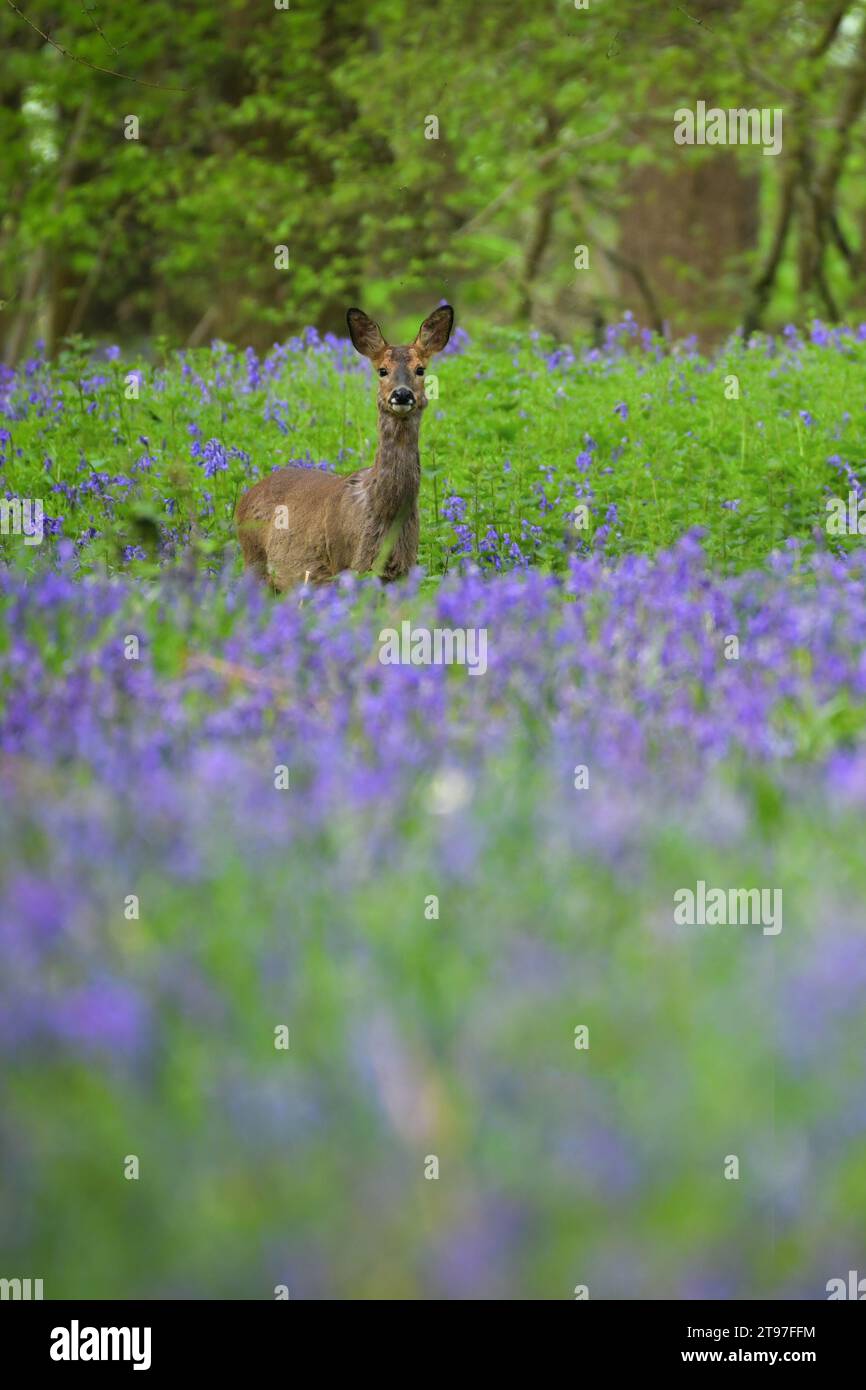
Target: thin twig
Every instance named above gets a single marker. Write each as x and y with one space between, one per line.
547 157
110 72
703 23
230 670
95 24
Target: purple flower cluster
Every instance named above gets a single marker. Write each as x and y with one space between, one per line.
164 905
632 666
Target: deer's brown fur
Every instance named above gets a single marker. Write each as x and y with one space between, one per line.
330 523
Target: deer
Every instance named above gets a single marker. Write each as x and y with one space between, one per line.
305 526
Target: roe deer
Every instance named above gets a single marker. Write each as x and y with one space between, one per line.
300 524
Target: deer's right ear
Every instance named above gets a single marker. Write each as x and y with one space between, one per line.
365 334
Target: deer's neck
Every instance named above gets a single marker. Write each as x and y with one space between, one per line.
396 474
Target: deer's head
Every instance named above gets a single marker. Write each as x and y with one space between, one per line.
401 369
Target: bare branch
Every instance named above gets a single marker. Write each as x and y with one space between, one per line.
110 72
544 159
95 24
831 30
232 671
762 286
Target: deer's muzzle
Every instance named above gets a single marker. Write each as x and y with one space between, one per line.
402 400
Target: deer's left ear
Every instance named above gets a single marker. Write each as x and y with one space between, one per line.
435 330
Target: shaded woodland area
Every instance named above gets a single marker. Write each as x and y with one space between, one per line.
310 128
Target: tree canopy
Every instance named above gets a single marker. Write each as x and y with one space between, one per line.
157 157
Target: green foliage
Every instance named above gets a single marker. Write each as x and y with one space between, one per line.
306 127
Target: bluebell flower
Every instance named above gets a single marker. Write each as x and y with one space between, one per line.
215 458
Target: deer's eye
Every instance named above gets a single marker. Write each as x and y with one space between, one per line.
419 371
383 371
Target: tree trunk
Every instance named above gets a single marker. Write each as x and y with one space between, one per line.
690 224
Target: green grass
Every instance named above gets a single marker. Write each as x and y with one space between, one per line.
504 435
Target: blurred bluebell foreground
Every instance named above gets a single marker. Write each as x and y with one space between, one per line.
366 980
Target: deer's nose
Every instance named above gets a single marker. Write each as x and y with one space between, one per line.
402 396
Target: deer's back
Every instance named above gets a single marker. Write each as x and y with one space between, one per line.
303 490
290 527
301 524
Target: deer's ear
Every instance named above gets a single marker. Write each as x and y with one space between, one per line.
435 330
365 334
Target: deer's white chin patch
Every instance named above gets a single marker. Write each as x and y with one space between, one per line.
401 409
